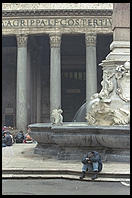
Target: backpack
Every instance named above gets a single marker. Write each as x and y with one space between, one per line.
19 138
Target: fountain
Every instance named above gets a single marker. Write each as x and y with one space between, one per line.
72 140
106 126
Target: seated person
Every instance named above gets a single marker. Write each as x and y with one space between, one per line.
91 162
7 139
27 138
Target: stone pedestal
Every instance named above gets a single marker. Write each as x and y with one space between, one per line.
21 99
121 22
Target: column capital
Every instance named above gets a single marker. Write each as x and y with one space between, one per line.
22 40
90 39
55 39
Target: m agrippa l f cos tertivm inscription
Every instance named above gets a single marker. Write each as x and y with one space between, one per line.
58 22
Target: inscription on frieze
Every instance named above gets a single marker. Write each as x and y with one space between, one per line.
92 22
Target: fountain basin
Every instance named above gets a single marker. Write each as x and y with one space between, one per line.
79 138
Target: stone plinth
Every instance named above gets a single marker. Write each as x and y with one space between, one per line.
121 21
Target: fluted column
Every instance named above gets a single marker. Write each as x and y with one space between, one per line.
55 72
21 99
91 70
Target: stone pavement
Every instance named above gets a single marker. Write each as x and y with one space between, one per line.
19 161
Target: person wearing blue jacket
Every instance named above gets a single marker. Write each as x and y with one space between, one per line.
91 162
7 139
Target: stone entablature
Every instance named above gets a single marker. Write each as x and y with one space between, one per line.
64 24
32 6
92 12
91 22
27 18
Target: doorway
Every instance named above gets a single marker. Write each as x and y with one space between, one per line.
73 88
9 69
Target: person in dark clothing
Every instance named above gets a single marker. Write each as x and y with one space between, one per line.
7 139
20 137
91 162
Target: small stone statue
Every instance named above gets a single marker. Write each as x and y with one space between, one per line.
57 118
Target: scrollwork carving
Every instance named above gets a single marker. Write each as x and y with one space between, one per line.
123 80
121 116
90 39
100 113
21 40
107 85
102 110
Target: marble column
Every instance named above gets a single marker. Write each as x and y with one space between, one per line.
29 84
55 72
91 68
38 94
21 98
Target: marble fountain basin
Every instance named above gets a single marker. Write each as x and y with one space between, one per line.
75 137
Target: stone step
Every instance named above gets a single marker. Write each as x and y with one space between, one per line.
63 172
61 176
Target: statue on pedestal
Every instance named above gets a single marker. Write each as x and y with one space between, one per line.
57 118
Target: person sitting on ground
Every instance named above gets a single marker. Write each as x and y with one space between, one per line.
7 139
20 137
28 138
5 128
91 162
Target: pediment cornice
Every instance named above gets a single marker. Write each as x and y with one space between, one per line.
20 13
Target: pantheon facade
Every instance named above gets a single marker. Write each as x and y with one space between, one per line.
50 58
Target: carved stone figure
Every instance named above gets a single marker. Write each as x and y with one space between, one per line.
100 114
123 81
111 105
121 116
107 85
57 118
